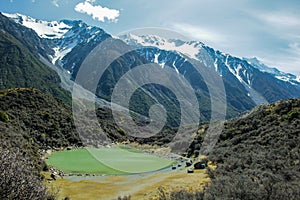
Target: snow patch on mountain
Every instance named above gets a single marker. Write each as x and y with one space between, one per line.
216 65
190 48
175 67
156 56
61 52
256 97
236 72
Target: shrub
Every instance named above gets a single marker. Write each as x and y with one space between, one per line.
179 195
293 114
18 177
124 198
4 117
121 131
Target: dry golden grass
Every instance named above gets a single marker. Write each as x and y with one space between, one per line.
138 186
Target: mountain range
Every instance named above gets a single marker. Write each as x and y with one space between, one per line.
67 43
245 73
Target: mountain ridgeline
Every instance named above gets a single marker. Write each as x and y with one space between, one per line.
253 82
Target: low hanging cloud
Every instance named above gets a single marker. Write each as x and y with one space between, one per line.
279 19
97 12
55 3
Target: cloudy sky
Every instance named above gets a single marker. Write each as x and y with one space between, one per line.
268 29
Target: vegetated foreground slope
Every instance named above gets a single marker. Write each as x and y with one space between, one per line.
20 66
29 122
258 156
20 179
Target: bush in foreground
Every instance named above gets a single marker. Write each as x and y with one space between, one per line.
19 178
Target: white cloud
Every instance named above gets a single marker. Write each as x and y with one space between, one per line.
198 33
279 19
55 3
295 47
97 12
288 60
293 57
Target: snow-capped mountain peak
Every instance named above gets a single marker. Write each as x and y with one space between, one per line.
295 80
44 29
64 34
188 48
261 66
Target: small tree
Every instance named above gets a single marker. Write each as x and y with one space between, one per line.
18 177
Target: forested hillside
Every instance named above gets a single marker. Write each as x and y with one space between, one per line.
257 156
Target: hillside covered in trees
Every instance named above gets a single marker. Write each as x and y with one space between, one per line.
43 120
257 156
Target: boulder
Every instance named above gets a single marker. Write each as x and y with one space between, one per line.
188 163
200 165
190 170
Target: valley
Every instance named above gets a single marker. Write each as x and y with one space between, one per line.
133 181
88 115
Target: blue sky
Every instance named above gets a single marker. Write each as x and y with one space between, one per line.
268 29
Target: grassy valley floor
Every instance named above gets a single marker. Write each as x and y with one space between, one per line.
142 186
